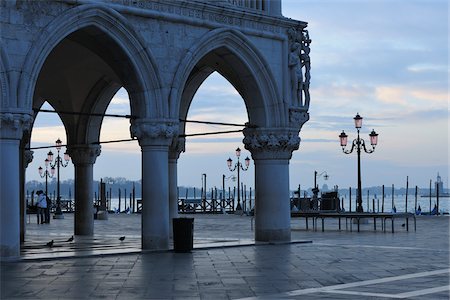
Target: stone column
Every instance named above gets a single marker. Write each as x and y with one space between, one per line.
155 137
83 158
271 150
174 153
12 127
26 159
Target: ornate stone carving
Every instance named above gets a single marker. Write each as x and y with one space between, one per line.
27 157
300 66
154 132
84 154
197 11
178 146
13 125
271 143
298 117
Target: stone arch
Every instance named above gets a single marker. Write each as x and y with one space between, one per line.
145 102
263 105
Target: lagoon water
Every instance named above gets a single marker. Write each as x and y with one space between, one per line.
399 203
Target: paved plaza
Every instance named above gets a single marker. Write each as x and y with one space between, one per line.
227 264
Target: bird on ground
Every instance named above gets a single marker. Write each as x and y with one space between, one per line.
50 244
70 239
122 238
403 225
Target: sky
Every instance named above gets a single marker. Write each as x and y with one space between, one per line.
386 60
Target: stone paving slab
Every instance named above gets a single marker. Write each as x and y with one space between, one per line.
336 265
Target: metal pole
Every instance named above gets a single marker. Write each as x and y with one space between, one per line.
358 151
315 179
58 195
46 181
238 207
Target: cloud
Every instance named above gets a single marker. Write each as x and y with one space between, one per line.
412 97
420 68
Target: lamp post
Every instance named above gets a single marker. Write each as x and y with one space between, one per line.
359 144
58 163
46 174
325 176
238 166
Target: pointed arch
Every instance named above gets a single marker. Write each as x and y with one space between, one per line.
146 101
243 61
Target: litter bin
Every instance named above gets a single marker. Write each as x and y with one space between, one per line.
183 234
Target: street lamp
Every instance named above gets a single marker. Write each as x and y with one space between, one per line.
359 144
58 163
238 166
325 176
46 174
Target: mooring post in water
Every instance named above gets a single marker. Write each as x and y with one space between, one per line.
350 199
368 201
250 199
415 201
120 199
406 196
382 200
393 192
430 194
437 199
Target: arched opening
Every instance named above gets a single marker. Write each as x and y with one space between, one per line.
267 133
42 173
79 76
119 168
203 166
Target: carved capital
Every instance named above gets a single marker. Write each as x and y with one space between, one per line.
27 157
271 143
13 125
84 154
154 132
178 146
298 117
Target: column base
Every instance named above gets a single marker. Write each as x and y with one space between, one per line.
273 235
155 243
9 254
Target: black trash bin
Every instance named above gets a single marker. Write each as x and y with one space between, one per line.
183 234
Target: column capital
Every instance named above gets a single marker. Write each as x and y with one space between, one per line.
271 143
13 125
152 132
27 157
298 117
83 154
178 146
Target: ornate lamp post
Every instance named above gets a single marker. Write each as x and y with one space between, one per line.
58 163
238 166
359 144
46 174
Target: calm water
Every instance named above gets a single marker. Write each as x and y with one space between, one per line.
399 202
